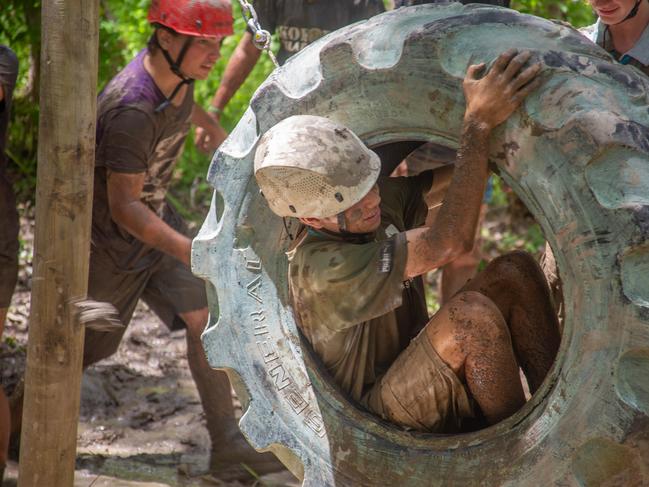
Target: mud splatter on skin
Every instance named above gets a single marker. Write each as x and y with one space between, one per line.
458 217
354 215
501 319
490 369
515 283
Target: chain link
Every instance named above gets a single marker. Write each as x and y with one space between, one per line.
260 38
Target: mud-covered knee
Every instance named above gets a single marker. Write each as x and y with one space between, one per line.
515 266
473 305
475 312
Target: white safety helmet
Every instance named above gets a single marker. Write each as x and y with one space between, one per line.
308 166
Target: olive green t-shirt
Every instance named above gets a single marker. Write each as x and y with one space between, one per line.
348 292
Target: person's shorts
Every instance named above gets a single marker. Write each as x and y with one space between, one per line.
419 391
9 245
168 287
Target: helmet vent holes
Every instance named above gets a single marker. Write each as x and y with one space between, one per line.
292 166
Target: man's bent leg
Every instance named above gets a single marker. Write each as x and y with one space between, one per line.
228 445
471 337
213 385
516 284
121 289
178 298
466 341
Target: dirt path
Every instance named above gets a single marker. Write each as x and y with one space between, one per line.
141 422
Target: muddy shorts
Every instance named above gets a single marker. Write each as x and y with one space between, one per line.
419 391
168 288
8 240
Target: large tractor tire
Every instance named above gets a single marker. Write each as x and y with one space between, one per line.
576 153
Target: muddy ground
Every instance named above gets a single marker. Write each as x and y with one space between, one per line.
141 422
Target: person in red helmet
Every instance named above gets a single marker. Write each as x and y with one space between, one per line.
622 28
140 248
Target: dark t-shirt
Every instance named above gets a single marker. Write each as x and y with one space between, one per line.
133 138
349 295
8 75
300 22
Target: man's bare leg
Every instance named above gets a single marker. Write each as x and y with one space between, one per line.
228 444
515 283
471 337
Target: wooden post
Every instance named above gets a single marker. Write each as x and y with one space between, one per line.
70 34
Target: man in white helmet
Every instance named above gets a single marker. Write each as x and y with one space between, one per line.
351 272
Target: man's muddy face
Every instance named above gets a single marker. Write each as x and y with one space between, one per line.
365 216
200 57
612 12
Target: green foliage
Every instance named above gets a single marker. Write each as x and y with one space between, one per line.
576 12
20 29
123 32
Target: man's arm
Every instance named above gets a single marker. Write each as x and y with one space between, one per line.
128 211
239 66
489 102
212 135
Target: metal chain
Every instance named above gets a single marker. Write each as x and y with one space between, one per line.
261 38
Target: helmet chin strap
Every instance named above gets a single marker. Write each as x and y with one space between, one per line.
342 224
632 13
175 68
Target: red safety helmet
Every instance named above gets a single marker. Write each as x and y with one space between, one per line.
202 18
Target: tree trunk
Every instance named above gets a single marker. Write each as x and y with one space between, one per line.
70 32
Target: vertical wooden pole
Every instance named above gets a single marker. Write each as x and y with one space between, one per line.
66 147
